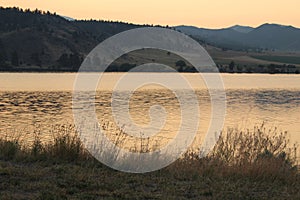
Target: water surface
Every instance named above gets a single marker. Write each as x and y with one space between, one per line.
40 101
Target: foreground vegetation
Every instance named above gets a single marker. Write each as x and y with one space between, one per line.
256 164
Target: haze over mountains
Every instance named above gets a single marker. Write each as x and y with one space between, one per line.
266 36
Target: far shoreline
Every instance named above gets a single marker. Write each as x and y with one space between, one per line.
74 72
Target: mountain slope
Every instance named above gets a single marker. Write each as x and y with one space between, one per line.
274 36
225 38
270 36
41 39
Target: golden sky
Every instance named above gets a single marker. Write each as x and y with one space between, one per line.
201 13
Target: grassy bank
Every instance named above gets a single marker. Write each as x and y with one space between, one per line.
254 164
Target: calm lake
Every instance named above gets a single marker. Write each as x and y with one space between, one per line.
40 101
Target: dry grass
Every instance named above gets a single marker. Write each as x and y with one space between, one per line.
259 154
252 164
65 146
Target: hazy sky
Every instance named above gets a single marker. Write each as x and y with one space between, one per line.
202 13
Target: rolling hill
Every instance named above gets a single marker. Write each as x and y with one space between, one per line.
37 40
267 36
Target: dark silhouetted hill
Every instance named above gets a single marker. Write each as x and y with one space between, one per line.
36 40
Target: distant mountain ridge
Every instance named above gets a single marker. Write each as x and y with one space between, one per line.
266 36
242 29
68 18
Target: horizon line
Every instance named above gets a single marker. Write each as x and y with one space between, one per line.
68 18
